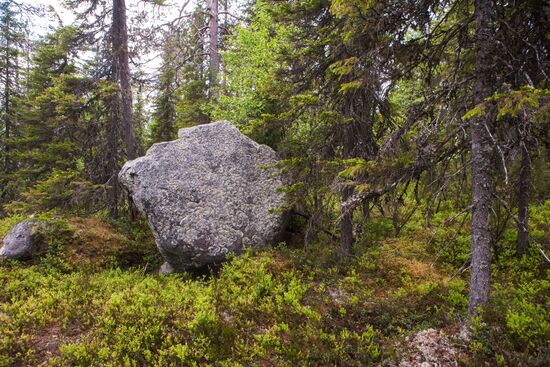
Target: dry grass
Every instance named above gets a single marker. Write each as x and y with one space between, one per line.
95 242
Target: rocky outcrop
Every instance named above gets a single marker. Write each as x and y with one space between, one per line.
207 194
23 241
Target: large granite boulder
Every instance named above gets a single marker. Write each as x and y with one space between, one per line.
207 194
23 241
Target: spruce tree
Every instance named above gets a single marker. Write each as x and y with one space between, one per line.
12 33
164 115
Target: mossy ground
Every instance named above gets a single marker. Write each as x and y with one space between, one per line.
95 300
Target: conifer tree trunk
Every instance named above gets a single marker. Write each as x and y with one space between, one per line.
113 166
225 35
122 122
121 73
346 221
346 225
480 276
523 202
7 121
213 32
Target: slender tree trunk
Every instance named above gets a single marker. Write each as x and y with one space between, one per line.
225 35
213 32
357 141
312 229
7 119
346 225
28 52
113 164
121 73
346 220
480 277
395 215
122 125
523 202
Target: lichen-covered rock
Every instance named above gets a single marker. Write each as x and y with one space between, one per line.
23 241
207 194
430 348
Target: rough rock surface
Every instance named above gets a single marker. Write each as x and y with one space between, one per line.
206 194
22 241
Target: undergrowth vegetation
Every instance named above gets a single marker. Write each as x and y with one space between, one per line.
95 300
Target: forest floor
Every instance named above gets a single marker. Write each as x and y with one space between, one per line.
95 299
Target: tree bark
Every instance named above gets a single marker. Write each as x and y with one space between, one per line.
346 225
480 277
7 121
122 126
346 221
112 189
121 74
8 85
213 32
523 202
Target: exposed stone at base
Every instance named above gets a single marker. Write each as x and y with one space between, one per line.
166 269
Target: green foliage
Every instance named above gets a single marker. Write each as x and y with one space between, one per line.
12 47
192 93
247 315
529 100
285 305
456 297
162 127
517 326
61 131
141 118
66 191
252 58
192 103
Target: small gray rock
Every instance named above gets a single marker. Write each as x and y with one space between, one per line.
23 241
166 269
206 194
